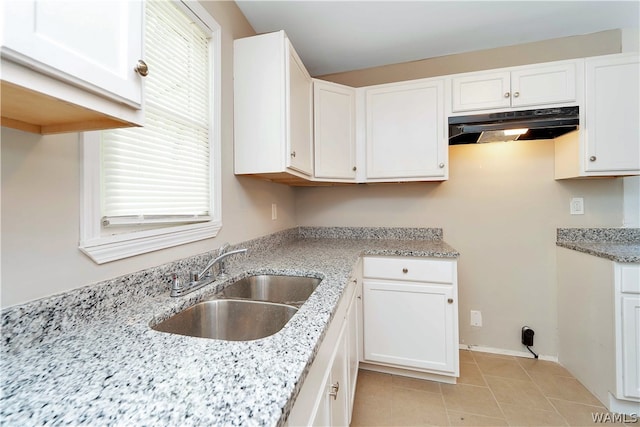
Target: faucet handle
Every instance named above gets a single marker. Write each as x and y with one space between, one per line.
223 249
175 281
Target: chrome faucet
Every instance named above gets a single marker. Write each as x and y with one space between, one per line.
220 260
198 280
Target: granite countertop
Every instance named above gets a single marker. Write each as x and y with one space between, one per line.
89 357
616 244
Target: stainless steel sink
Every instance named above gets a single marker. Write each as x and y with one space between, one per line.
292 290
228 319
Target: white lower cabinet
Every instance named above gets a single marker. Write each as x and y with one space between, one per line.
354 340
630 355
334 404
326 397
627 279
599 325
411 316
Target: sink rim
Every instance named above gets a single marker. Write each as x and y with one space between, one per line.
216 301
296 303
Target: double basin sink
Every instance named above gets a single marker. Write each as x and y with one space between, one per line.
248 309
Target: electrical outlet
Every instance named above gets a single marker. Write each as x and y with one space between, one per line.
576 207
527 336
274 211
476 318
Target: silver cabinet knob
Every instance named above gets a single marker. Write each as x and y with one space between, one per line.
516 94
405 270
293 154
441 165
592 158
450 300
142 68
507 94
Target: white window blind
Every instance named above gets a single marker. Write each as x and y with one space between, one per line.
161 173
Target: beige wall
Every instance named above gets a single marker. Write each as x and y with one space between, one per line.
530 53
40 196
500 207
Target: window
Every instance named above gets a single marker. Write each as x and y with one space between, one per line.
149 188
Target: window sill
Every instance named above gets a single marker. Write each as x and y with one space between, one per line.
112 248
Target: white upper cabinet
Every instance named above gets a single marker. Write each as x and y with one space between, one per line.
481 91
529 86
66 62
334 131
300 97
405 131
272 109
608 142
541 85
612 114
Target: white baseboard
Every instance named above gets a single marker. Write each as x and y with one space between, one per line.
504 352
367 366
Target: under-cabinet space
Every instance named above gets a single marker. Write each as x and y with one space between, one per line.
72 66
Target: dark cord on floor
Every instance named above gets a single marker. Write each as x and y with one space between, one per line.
532 352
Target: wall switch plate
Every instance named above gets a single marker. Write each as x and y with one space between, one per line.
476 318
576 207
274 211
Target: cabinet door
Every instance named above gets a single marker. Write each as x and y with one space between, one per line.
339 389
481 91
334 130
91 44
323 412
612 129
300 93
631 346
409 324
543 85
405 131
353 351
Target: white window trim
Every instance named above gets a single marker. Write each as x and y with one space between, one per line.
102 249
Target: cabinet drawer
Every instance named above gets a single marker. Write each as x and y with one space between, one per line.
630 278
413 269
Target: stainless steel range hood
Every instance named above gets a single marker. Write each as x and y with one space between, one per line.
546 123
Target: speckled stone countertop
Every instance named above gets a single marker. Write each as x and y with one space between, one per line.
616 244
89 356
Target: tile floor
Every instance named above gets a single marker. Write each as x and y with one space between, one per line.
493 390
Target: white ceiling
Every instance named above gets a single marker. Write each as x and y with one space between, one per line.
334 36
